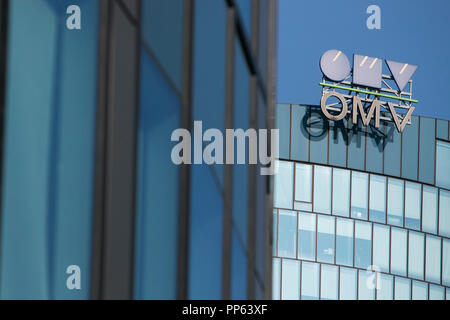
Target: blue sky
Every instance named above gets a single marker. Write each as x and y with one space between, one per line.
412 31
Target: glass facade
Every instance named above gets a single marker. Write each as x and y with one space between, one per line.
87 178
365 231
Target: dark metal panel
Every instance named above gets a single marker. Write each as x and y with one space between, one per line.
116 150
186 120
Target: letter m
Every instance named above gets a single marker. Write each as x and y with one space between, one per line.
375 107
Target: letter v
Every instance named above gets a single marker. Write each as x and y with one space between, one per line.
400 126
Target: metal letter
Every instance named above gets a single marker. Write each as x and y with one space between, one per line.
324 106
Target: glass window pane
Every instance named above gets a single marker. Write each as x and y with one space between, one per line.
412 205
329 283
310 281
381 237
447 295
307 236
402 289
325 239
344 242
162 30
283 188
377 198
157 213
366 285
347 284
416 255
444 212
363 244
437 292
359 195
420 290
290 274
287 235
429 212
276 278
433 259
322 189
398 251
386 287
49 132
303 182
341 192
395 202
442 164
446 262
275 234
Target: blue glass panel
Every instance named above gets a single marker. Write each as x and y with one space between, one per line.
318 128
310 281
206 214
402 289
357 146
375 146
347 284
307 236
442 129
416 255
287 233
377 200
275 233
419 290
446 262
433 259
329 282
344 242
48 150
238 268
290 283
363 244
386 287
283 124
338 143
413 199
437 292
427 150
395 202
443 164
322 189
410 149
398 251
366 285
360 195
430 209
325 239
392 149
157 213
299 134
381 236
303 182
284 184
276 278
162 31
341 192
444 213
245 13
242 121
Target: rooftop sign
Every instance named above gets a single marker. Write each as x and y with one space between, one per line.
365 87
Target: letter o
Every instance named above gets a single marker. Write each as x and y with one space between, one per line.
323 106
335 65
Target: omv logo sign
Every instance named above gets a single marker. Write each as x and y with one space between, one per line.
363 84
